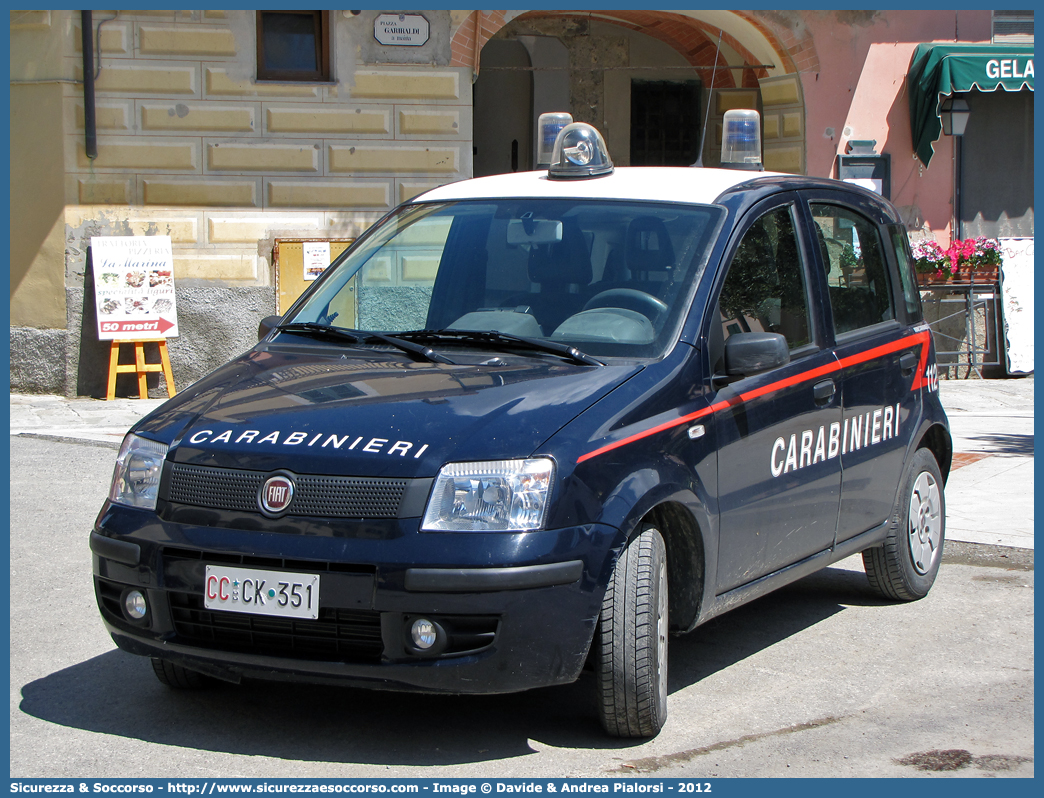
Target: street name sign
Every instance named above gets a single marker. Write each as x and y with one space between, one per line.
401 30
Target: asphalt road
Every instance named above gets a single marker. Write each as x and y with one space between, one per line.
821 679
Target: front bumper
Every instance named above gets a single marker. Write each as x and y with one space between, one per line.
518 610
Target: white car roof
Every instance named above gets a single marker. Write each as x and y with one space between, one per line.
655 183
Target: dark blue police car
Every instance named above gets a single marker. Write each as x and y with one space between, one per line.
533 422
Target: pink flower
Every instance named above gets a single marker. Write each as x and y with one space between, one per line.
929 250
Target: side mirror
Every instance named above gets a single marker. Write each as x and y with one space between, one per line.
755 352
266 326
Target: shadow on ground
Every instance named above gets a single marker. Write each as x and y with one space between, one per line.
1014 444
116 694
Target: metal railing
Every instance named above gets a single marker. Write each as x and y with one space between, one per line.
965 324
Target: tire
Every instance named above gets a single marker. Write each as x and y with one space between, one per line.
177 677
905 566
631 653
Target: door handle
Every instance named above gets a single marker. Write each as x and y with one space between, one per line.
823 391
908 362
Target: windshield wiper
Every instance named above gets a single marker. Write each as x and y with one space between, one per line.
361 337
315 328
496 339
409 346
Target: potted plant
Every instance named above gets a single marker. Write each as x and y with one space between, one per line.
979 255
931 263
973 257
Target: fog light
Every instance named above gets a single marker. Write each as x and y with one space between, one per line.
423 633
134 605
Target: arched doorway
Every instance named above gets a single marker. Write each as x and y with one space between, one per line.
646 79
505 93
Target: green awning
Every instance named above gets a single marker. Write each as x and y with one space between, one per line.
938 70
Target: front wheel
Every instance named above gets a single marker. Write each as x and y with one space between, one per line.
631 654
906 565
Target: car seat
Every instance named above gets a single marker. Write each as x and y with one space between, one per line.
649 255
562 273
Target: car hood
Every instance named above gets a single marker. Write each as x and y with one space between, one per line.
373 413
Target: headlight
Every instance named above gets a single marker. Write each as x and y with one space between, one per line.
494 496
135 481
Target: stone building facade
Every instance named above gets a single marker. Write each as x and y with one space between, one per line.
191 143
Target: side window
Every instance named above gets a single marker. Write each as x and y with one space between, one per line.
764 290
911 294
860 292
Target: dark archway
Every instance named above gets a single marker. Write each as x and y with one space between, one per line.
621 68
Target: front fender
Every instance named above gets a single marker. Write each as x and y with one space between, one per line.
675 501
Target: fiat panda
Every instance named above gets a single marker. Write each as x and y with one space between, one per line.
535 423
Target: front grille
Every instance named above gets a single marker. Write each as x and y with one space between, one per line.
323 496
338 634
174 557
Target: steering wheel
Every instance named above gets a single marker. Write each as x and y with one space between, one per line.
630 299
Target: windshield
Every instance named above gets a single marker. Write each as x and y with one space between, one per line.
610 278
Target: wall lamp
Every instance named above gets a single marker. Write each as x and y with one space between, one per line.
954 113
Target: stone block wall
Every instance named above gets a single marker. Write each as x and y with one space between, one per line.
192 145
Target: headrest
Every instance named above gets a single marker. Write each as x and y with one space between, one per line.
566 262
649 246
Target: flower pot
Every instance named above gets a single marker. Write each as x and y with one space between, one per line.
934 264
983 274
931 279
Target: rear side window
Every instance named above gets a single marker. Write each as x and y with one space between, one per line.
857 274
764 290
911 294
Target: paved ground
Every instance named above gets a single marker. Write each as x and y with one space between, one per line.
80 419
989 494
820 679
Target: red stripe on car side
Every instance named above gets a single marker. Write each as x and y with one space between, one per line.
920 338
920 379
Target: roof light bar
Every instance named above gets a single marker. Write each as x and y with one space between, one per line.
741 140
549 125
579 152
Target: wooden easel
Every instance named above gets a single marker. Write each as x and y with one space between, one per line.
139 366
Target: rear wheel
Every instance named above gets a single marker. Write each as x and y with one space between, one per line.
177 677
631 655
906 565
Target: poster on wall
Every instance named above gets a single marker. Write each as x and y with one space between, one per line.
134 287
316 259
1017 291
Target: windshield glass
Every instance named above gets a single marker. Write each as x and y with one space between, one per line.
610 278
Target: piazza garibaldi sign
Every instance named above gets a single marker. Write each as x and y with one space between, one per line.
401 30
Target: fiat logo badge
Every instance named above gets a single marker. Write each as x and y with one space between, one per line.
275 494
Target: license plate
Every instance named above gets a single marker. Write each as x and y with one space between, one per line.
257 592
